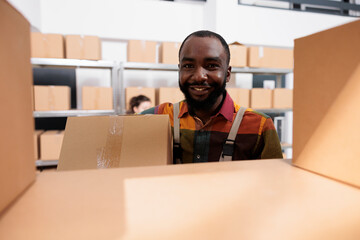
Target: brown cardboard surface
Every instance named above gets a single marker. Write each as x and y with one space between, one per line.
97 98
271 200
50 98
136 91
261 98
240 96
17 169
141 51
47 45
116 141
238 54
37 134
172 95
169 52
266 57
50 144
83 47
282 98
326 99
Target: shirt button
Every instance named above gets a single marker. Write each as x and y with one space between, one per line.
198 156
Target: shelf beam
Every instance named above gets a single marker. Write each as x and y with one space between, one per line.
73 113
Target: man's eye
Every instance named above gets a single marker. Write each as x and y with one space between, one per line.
211 65
187 66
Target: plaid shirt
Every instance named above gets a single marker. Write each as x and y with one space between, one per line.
256 137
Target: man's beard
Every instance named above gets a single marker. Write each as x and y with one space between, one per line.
207 103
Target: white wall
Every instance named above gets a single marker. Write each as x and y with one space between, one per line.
31 10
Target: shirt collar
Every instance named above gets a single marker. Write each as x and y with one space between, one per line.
227 109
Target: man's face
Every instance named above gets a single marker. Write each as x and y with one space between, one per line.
203 71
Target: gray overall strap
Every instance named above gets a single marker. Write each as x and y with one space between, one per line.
177 148
228 148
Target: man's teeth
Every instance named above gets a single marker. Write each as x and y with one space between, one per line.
199 89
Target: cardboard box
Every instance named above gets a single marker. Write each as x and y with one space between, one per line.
83 47
282 98
265 57
240 96
116 141
326 102
47 45
238 55
37 134
261 98
141 51
50 144
169 53
17 169
136 91
97 98
172 95
51 98
76 204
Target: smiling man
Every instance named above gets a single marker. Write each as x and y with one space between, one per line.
208 126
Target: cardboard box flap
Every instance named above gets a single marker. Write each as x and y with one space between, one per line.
116 141
326 99
236 43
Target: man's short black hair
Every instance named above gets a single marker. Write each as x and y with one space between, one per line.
206 33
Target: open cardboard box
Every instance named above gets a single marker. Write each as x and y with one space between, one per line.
265 199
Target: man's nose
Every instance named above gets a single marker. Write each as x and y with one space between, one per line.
200 75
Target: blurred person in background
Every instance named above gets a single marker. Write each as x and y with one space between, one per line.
138 104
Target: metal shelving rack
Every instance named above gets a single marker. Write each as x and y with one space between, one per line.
117 73
75 63
172 67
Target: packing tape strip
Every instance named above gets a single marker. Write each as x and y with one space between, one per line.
109 155
97 98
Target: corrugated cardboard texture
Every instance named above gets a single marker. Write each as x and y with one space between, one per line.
282 98
141 51
326 102
169 53
50 144
97 98
116 141
266 57
136 91
238 55
264 199
172 95
240 96
261 98
17 168
51 98
83 47
47 45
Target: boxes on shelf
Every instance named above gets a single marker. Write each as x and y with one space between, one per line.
169 52
266 57
169 94
326 102
141 51
282 98
47 45
83 47
241 96
51 98
37 134
136 91
50 144
116 141
261 98
238 53
17 169
97 98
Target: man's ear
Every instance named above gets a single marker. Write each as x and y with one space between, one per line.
228 74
